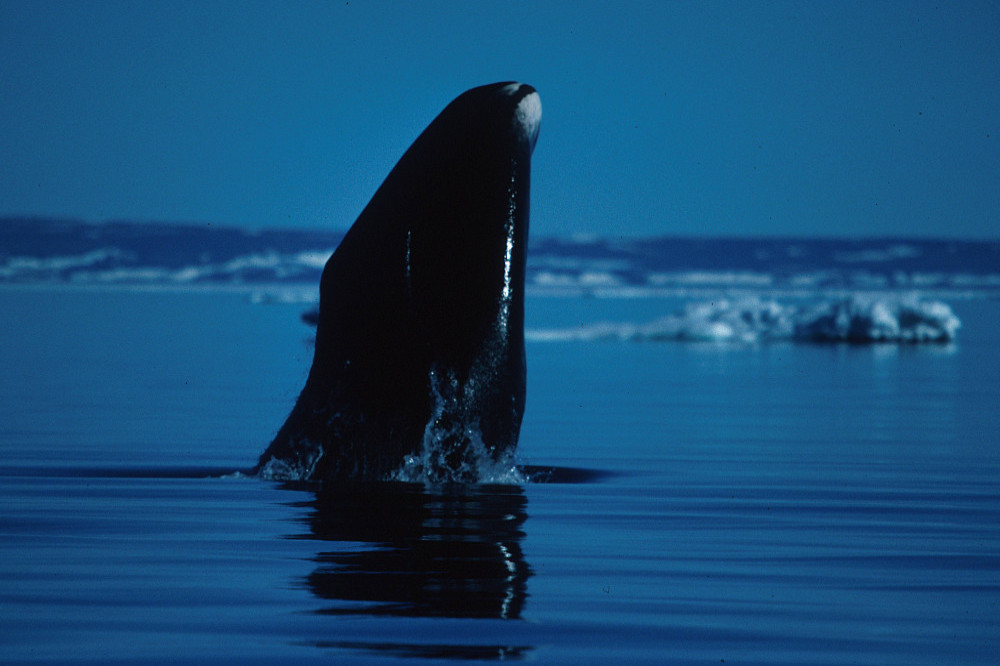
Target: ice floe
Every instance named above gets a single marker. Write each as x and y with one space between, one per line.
856 319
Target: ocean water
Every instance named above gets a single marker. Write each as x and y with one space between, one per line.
738 501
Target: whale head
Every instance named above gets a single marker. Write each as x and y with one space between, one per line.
420 340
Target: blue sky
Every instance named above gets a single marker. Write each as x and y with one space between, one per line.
694 118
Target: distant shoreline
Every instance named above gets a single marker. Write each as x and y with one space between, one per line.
50 252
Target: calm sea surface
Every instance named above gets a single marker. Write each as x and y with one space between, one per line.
746 504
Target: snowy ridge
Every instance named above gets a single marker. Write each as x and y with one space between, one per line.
113 266
868 318
59 252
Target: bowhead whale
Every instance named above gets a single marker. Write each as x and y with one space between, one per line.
420 338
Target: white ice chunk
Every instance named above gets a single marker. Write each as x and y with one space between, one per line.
857 319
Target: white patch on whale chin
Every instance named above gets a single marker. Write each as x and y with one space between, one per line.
529 115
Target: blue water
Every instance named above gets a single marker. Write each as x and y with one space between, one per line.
780 503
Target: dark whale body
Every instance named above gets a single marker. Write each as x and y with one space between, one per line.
420 340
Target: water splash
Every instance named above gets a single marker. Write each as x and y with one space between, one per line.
453 450
300 469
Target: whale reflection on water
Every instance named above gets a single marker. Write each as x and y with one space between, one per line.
399 549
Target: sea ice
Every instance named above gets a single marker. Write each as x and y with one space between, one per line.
856 319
